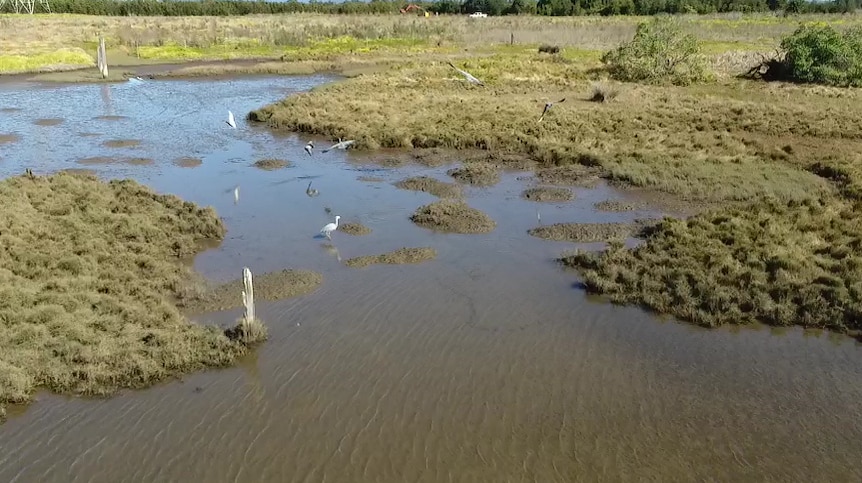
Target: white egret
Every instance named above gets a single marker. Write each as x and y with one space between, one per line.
331 227
309 147
548 106
339 145
230 120
468 76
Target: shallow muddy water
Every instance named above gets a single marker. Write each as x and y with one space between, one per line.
484 364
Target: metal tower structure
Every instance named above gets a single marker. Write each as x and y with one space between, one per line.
27 6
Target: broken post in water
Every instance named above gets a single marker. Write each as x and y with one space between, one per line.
247 300
102 58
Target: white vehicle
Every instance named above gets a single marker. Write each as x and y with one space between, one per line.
478 15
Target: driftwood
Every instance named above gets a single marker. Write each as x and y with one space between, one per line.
102 58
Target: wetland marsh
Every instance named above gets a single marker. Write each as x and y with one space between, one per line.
438 347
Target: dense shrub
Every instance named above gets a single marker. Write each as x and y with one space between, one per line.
820 54
659 52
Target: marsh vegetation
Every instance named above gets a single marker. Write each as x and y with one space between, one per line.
91 272
397 257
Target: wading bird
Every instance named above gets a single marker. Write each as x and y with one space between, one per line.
311 192
309 147
548 106
230 121
331 227
236 195
467 76
339 145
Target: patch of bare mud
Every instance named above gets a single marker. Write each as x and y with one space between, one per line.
9 138
618 206
355 229
111 118
268 287
590 232
122 143
510 161
453 216
88 134
370 179
54 121
479 174
432 157
271 164
398 257
11 109
188 162
431 186
96 160
570 175
80 171
547 194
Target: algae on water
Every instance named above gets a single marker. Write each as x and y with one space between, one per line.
89 271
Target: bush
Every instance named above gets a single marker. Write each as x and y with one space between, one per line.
820 54
659 52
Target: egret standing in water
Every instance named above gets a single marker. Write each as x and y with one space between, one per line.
331 227
230 120
309 147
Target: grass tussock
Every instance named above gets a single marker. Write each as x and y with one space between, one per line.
355 229
794 263
271 164
398 257
585 232
271 286
547 194
453 216
431 186
48 122
188 162
89 273
618 206
122 143
604 92
478 174
9 138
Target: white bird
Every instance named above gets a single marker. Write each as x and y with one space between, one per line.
309 147
311 192
548 106
467 76
331 227
339 145
236 194
230 120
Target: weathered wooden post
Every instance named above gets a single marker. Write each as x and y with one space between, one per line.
512 38
102 58
247 300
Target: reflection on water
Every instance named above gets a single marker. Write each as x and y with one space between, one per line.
485 365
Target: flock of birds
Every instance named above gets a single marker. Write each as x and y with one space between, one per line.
311 192
344 144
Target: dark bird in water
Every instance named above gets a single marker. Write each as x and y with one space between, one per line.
548 106
310 191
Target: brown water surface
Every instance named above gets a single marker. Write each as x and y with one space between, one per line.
484 364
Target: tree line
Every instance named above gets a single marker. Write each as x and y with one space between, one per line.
490 7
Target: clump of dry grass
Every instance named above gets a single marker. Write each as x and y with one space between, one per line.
546 193
202 297
453 216
792 263
355 229
122 143
479 174
549 49
89 273
271 164
188 162
430 185
604 92
617 206
398 257
584 232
